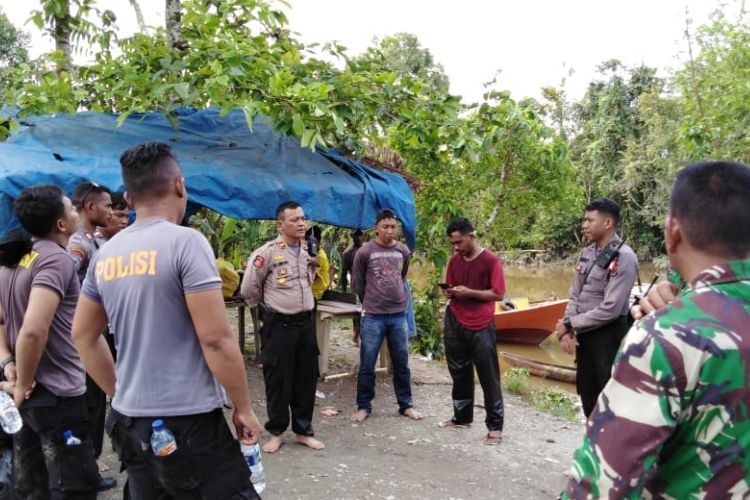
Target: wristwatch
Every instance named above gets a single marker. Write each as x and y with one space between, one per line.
10 359
567 323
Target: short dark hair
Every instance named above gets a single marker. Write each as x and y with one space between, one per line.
287 205
145 171
315 230
385 213
357 232
13 251
460 224
605 206
118 201
712 201
39 207
86 189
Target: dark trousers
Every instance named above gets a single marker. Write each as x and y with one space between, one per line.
207 463
96 406
289 353
44 466
465 350
595 355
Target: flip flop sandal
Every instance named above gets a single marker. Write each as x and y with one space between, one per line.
452 424
492 440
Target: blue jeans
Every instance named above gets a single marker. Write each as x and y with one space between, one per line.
393 328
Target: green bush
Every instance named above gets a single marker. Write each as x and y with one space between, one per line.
516 381
556 403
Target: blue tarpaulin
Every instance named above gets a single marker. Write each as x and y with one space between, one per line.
227 168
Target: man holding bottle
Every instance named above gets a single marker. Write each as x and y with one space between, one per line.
38 293
156 283
279 280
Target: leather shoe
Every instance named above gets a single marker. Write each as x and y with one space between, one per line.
106 483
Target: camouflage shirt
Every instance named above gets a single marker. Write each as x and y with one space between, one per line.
674 419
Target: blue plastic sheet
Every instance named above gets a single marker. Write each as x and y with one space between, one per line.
228 168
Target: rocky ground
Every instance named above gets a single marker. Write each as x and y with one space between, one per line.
391 457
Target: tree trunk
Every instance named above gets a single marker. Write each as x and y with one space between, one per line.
62 37
173 18
139 15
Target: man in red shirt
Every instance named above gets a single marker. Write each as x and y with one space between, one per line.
475 282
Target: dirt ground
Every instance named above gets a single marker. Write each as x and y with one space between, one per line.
391 457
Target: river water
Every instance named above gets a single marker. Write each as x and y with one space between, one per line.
544 282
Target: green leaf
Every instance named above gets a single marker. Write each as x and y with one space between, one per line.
298 126
182 90
307 137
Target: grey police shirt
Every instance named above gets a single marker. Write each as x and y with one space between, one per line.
141 277
48 266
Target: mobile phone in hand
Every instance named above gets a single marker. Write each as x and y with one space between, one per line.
444 286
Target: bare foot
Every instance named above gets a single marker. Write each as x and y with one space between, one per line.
273 444
413 414
310 442
360 416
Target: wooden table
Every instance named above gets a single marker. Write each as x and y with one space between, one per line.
240 305
327 310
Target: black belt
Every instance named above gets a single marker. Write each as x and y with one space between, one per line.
295 318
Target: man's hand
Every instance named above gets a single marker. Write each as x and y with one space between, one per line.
569 342
21 394
659 296
447 292
313 262
459 291
247 425
10 372
561 330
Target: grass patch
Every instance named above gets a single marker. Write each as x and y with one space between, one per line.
557 403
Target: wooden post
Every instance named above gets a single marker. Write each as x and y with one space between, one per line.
322 333
241 326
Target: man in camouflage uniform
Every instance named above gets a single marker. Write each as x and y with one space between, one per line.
673 420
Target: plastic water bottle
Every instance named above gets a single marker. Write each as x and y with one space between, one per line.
162 440
10 419
70 439
252 455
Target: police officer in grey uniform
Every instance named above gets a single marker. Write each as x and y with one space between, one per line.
278 280
596 318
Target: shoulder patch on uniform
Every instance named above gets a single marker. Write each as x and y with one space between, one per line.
259 261
28 259
78 251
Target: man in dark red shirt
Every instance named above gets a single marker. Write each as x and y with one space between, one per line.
475 282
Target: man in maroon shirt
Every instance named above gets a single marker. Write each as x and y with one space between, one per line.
475 282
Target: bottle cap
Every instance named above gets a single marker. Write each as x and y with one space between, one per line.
157 425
